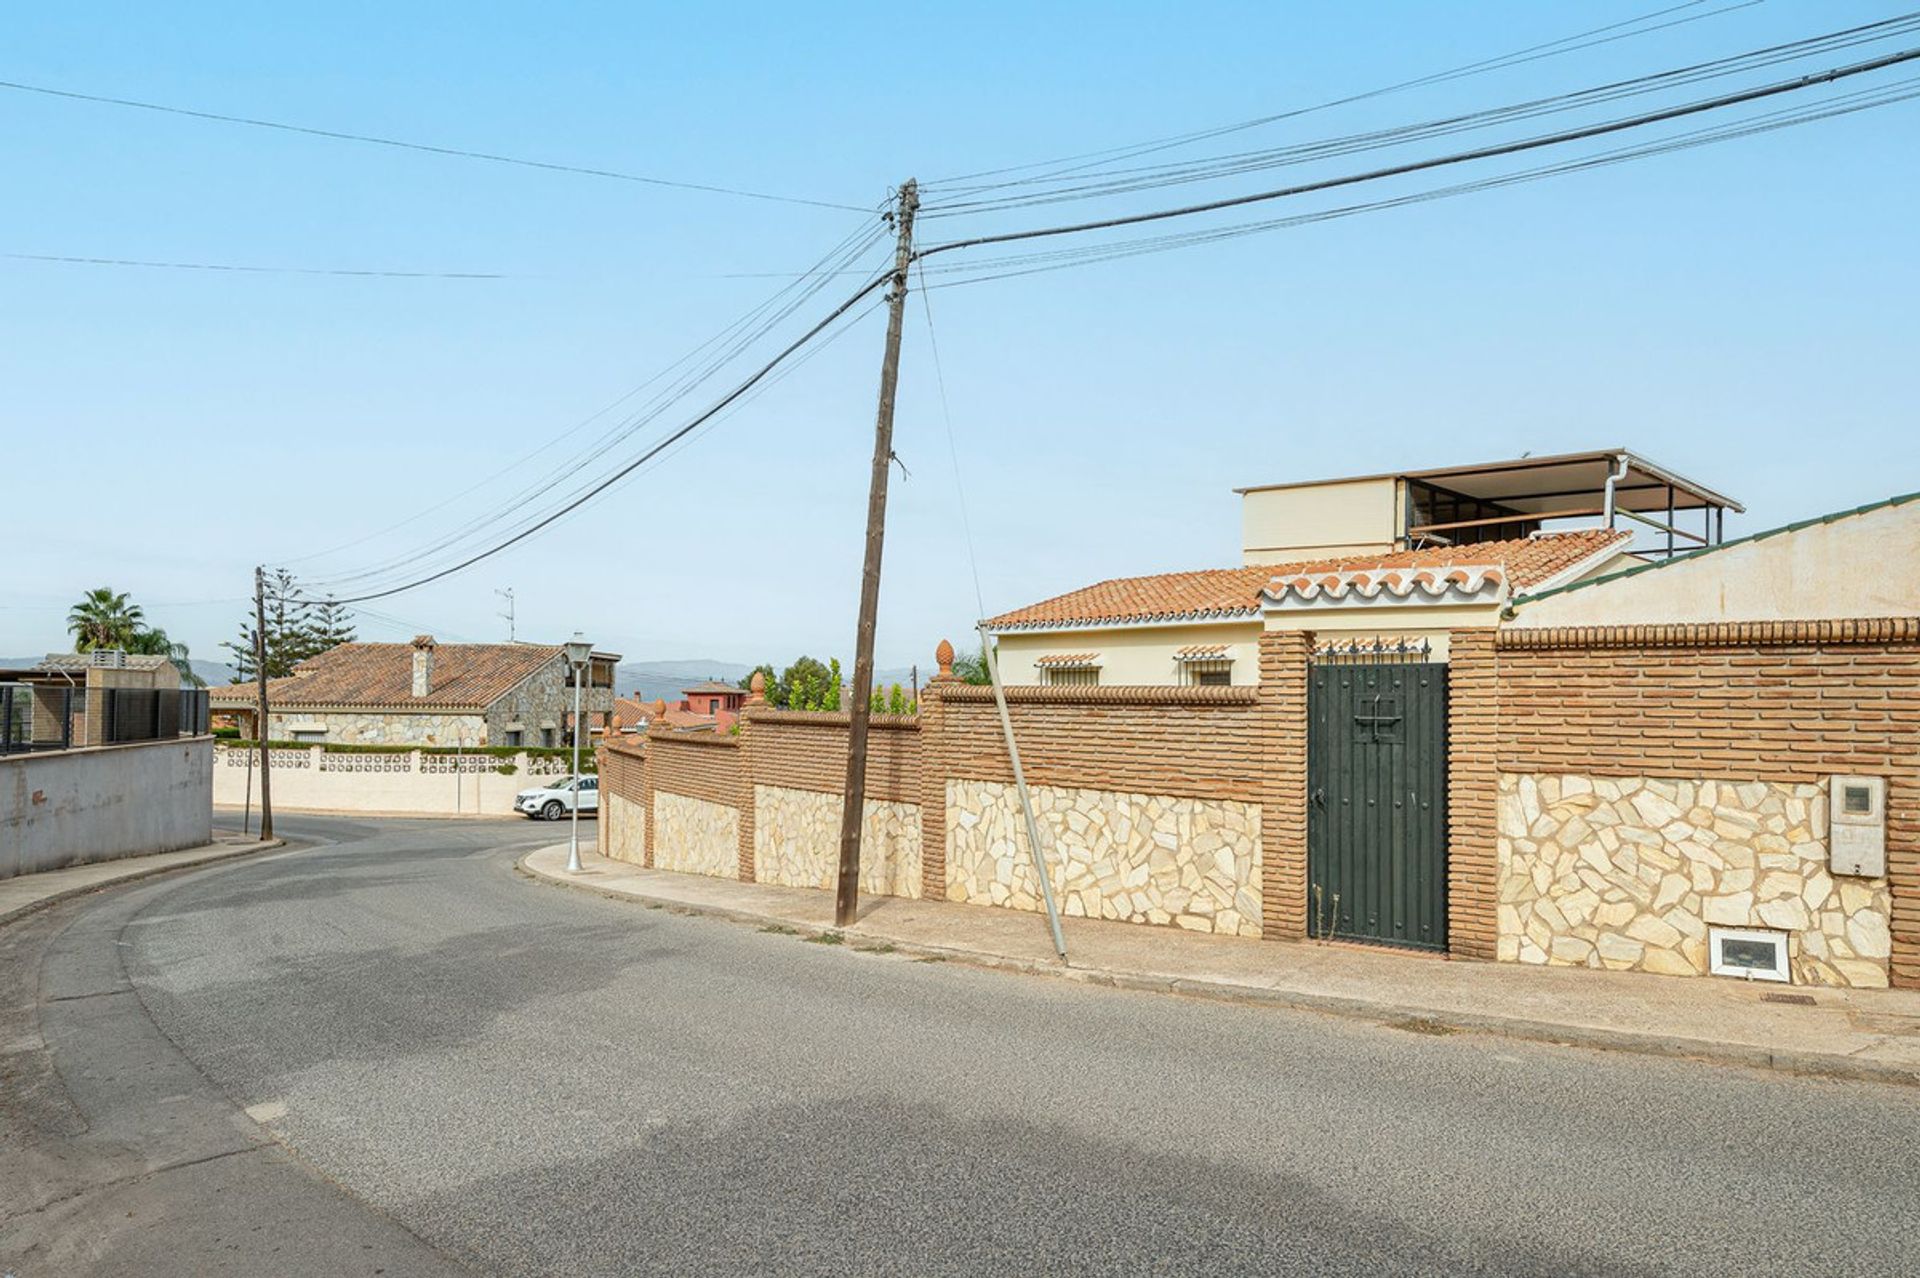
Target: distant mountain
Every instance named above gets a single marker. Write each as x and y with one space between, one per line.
667 679
214 672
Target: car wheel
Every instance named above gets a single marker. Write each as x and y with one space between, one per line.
553 810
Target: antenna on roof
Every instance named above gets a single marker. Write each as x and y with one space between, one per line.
507 616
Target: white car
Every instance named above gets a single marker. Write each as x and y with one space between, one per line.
551 802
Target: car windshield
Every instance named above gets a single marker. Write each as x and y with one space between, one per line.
566 784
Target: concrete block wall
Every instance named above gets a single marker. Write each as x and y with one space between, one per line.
74 807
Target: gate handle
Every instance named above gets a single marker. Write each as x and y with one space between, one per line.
1319 796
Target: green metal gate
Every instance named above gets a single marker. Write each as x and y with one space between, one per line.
1377 796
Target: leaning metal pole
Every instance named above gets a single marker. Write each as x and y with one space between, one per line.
1026 800
573 846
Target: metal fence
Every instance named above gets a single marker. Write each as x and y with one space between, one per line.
38 716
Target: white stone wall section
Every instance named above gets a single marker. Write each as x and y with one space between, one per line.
1138 858
1629 873
695 836
625 823
796 841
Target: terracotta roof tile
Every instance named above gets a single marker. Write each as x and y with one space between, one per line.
1201 652
1067 660
465 675
1226 593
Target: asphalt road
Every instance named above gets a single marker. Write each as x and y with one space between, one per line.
536 1081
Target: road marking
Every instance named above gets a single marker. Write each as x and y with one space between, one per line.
267 1111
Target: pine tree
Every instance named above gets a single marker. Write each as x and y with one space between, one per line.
331 626
289 631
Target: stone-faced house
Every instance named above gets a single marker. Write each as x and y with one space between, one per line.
1409 556
426 693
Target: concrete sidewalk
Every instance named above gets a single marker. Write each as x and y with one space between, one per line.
25 893
1862 1034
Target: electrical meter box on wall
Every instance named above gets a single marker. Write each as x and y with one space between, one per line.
1857 826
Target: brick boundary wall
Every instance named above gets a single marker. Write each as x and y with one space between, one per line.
1473 775
807 750
1200 743
1725 634
698 765
1779 702
1282 692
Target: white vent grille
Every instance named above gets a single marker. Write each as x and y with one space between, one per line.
107 659
1752 953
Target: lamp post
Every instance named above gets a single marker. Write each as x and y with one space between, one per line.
578 651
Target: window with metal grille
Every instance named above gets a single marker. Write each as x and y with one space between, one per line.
1071 677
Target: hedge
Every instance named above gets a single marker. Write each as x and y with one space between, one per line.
587 763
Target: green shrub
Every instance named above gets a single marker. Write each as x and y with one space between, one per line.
588 763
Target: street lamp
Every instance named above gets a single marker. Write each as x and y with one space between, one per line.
578 651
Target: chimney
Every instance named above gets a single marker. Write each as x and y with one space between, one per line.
422 665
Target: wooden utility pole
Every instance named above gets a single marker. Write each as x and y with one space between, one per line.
260 682
847 894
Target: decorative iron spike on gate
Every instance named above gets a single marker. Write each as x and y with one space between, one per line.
1373 652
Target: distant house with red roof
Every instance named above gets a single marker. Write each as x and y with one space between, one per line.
1408 556
426 693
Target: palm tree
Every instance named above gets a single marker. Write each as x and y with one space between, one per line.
104 619
154 643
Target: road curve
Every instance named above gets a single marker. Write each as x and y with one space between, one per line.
537 1081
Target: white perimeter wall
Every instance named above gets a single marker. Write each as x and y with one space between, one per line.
72 807
309 779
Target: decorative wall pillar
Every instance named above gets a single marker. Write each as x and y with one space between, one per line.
1284 656
646 804
748 804
933 779
1473 782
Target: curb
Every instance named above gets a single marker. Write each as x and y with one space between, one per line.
134 875
1396 1015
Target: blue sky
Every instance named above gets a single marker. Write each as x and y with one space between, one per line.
1741 313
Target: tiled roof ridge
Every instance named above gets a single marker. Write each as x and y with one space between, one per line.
1225 593
465 676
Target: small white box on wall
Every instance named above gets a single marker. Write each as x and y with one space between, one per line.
1857 826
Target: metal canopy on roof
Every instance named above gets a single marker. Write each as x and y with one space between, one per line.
1539 484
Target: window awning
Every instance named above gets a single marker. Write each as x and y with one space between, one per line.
1068 661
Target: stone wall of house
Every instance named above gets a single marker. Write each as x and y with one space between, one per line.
377 727
1630 872
541 703
1138 858
796 841
695 836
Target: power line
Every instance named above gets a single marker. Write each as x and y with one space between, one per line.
1122 181
658 406
672 447
1722 101
1059 259
253 270
953 449
827 264
1499 62
1460 157
339 135
727 399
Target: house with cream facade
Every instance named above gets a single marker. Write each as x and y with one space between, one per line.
1410 557
1593 754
